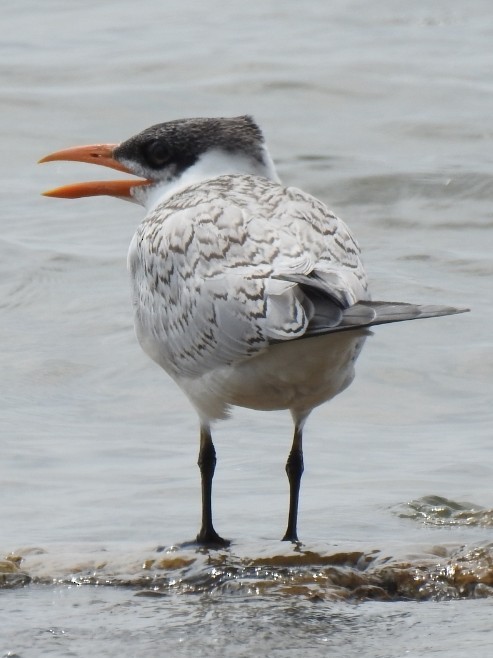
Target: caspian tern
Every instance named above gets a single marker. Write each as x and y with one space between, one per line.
246 292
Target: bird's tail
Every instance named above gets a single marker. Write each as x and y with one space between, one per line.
368 313
327 313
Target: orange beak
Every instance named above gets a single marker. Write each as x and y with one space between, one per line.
101 154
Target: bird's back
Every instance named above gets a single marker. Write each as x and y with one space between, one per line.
214 271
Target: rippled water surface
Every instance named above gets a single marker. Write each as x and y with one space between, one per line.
383 111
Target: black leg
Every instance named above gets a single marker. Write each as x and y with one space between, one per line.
207 464
294 470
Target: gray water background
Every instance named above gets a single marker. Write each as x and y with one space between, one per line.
383 110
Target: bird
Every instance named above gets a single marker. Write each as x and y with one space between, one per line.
246 292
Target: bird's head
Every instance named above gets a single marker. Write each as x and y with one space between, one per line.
168 156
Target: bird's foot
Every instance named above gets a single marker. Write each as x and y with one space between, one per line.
210 539
292 537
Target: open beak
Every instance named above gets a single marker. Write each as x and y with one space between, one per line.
101 154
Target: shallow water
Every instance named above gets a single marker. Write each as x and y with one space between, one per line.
264 600
385 113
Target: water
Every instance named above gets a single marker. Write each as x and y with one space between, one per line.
382 110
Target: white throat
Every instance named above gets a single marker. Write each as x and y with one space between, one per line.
212 164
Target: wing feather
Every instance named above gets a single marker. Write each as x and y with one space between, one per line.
228 266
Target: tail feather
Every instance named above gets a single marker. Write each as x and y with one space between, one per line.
326 306
368 314
372 313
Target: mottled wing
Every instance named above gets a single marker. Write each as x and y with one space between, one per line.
215 271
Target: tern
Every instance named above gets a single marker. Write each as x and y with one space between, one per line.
247 293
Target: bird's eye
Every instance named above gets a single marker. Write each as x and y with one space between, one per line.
157 153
